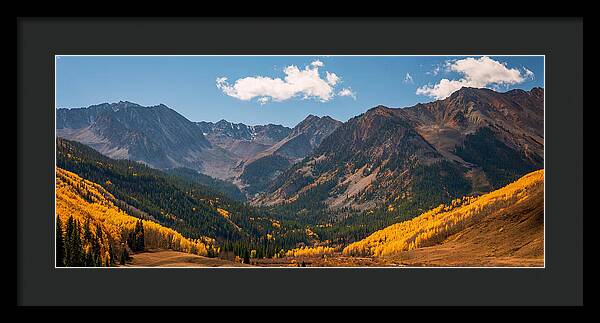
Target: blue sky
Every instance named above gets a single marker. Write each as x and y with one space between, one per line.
283 89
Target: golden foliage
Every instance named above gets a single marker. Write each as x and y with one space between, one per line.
434 226
309 251
83 200
223 212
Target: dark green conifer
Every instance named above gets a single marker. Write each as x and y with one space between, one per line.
60 244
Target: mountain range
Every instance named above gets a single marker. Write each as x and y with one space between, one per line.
472 142
162 138
157 136
243 140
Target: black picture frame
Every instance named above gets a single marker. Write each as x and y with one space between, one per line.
559 283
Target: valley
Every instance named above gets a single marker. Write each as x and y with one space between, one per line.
323 193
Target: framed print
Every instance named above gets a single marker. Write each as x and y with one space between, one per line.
233 162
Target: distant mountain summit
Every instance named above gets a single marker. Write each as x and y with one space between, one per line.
156 135
264 151
302 140
267 134
243 140
75 118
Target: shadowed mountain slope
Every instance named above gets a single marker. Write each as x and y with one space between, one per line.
474 141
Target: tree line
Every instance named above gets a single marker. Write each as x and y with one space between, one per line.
78 246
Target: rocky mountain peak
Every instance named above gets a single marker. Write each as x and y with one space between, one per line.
379 110
123 105
315 123
537 92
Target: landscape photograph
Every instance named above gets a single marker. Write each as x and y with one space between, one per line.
284 161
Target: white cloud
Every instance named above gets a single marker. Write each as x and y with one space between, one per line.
221 81
528 73
347 92
306 83
263 100
332 78
317 63
476 72
408 79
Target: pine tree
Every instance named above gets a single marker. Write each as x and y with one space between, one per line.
95 247
69 259
88 240
87 259
77 252
140 236
99 234
60 244
87 232
97 260
111 253
135 239
124 255
246 257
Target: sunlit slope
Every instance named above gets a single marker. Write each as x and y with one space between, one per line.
84 200
182 205
506 223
